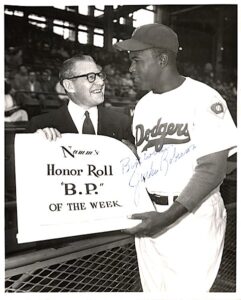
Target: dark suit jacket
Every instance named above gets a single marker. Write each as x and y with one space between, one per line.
110 123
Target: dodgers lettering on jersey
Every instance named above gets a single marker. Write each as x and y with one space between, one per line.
161 134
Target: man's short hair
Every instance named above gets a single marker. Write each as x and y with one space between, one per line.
66 70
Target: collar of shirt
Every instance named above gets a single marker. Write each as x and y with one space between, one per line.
78 115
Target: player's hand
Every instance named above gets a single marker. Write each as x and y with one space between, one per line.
152 223
130 146
51 134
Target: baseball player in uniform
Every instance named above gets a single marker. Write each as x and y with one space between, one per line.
183 134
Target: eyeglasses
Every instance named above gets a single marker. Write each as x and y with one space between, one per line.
91 77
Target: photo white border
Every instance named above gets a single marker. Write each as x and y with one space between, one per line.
116 296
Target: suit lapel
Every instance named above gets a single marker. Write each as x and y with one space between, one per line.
66 122
107 125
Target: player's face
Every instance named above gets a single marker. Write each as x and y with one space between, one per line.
85 93
145 69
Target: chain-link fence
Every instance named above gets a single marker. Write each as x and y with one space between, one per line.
106 268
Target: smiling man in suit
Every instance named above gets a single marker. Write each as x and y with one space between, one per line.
84 83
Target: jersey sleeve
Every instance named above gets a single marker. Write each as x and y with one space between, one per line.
213 127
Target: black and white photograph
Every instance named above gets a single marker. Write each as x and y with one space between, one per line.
120 150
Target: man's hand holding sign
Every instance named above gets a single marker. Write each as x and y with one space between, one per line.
50 134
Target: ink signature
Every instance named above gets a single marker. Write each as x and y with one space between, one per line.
166 158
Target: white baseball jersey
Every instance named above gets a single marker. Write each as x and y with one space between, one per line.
172 131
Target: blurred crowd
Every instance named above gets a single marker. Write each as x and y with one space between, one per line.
31 73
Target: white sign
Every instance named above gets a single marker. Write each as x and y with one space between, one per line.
79 184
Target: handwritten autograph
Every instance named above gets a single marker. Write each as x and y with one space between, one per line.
166 159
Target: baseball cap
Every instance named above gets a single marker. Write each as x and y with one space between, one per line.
150 36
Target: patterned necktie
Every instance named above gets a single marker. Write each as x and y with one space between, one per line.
88 127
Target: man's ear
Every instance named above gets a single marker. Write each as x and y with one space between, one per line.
68 85
163 60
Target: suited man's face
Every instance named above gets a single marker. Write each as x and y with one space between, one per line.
84 93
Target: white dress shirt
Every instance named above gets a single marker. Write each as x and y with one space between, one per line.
78 116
